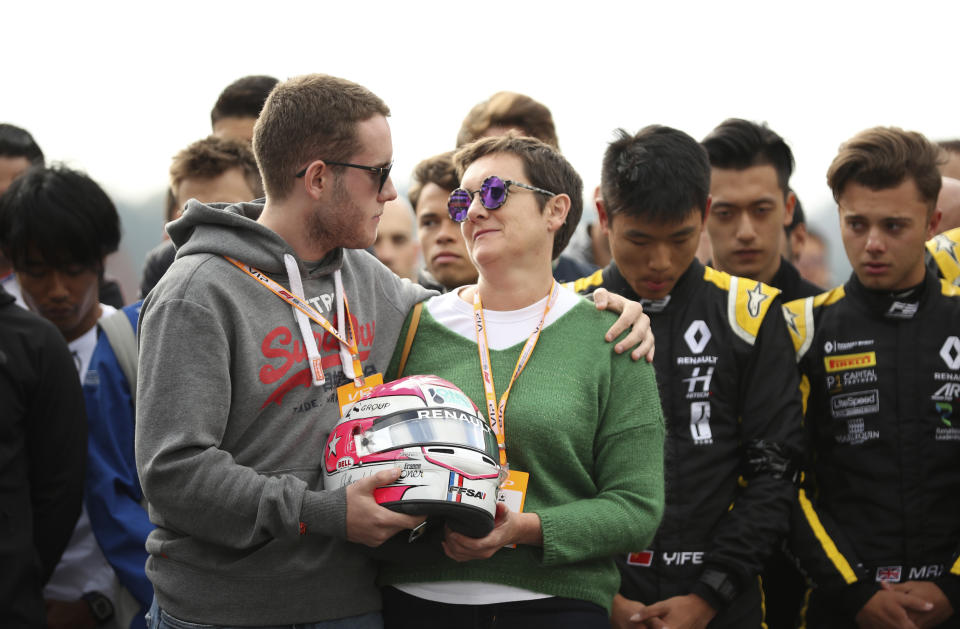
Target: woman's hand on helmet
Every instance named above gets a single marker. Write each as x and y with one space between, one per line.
509 528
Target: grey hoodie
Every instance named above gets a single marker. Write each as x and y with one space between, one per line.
230 432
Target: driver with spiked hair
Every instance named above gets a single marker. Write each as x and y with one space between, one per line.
727 386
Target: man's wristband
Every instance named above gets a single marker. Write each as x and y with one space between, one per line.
716 588
100 606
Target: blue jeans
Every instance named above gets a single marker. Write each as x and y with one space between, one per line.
159 619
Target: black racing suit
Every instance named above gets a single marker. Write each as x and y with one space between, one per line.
791 284
727 386
880 500
784 587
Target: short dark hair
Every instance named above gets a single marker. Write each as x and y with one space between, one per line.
884 157
509 109
661 174
739 144
17 142
543 165
438 170
62 213
244 98
309 117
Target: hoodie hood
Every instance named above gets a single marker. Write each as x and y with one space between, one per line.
232 229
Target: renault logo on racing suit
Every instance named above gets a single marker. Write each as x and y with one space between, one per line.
697 336
950 352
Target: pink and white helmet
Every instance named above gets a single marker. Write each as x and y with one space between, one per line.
432 431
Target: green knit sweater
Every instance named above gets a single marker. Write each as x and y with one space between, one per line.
586 424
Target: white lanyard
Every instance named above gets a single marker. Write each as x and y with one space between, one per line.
345 334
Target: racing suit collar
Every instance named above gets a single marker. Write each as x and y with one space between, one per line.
900 305
615 282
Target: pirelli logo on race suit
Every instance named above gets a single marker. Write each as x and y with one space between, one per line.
846 362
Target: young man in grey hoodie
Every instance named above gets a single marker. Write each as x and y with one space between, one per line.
237 390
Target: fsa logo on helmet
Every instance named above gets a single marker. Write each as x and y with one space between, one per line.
466 491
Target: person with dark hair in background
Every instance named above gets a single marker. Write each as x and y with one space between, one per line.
57 226
751 204
446 263
232 119
877 524
18 152
43 432
209 170
728 386
239 105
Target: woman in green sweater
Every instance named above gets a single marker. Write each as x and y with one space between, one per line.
579 425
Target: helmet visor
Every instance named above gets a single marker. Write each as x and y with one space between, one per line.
435 426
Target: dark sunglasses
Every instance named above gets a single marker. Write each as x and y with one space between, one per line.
493 194
382 171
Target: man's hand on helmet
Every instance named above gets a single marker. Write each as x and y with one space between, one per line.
367 522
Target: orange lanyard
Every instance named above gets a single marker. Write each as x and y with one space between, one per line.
495 412
348 340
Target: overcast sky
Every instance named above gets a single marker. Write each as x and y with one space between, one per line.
116 88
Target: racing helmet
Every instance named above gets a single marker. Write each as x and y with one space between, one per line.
426 426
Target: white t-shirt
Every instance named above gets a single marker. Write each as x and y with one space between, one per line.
83 568
505 328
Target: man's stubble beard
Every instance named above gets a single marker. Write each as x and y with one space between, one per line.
330 224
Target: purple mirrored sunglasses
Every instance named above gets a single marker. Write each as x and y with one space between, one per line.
493 194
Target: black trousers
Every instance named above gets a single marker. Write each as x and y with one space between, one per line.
403 611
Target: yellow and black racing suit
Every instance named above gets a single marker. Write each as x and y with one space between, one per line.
726 374
943 255
880 499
